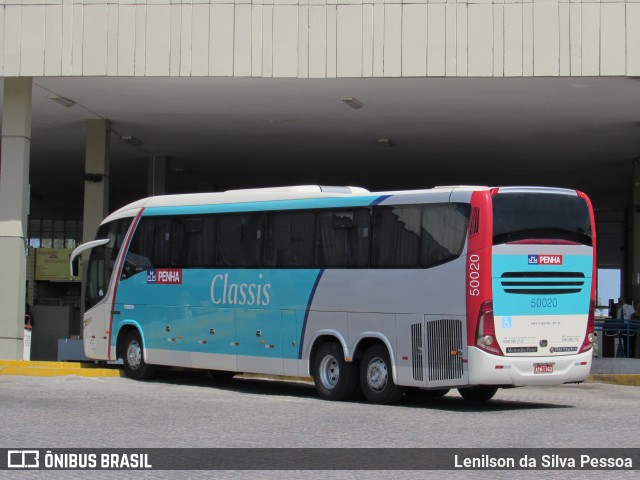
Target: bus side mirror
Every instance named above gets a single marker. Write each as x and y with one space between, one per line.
75 266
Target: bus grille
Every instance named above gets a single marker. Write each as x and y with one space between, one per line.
416 351
542 283
444 340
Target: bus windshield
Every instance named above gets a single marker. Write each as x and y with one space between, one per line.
523 216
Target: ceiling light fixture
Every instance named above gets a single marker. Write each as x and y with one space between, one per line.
352 102
133 141
60 100
385 142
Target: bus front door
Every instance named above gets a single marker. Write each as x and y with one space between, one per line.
95 332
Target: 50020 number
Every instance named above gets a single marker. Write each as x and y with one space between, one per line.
544 302
474 275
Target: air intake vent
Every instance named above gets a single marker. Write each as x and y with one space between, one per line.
444 343
416 352
542 283
474 221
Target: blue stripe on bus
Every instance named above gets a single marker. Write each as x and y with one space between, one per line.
309 203
380 199
306 313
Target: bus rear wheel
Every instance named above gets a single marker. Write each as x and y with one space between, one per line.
376 378
478 394
335 379
133 356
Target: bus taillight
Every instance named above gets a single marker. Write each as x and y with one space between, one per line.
486 331
589 337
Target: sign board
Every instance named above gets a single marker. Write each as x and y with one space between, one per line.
53 264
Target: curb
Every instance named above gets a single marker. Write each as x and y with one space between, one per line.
55 369
630 379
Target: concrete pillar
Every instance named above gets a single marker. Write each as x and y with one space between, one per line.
96 177
157 175
634 246
14 206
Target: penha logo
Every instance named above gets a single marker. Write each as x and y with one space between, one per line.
165 276
544 259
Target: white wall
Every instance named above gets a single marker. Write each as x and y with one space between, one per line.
320 38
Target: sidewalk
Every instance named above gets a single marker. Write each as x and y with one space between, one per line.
617 371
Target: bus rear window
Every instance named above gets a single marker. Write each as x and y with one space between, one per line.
548 216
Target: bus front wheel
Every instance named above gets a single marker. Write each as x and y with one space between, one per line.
376 378
478 394
335 379
134 364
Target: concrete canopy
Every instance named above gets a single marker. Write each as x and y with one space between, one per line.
223 133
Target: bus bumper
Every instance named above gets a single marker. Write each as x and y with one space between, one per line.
487 369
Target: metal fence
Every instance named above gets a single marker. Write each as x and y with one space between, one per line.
618 338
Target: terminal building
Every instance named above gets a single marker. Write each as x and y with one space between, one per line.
105 102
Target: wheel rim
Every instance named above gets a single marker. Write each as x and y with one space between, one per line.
134 355
377 374
329 372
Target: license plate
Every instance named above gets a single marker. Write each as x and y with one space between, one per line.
543 368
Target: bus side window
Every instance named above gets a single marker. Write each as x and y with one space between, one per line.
343 238
239 240
396 236
192 241
140 254
444 231
289 239
162 242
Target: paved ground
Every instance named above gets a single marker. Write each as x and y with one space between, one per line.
189 410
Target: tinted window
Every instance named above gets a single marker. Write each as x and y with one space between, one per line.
522 216
289 239
193 242
396 236
239 240
102 260
444 230
343 238
150 246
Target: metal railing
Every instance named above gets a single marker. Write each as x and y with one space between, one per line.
626 333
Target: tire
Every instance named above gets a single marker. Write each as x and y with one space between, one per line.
478 394
133 357
426 394
376 378
335 379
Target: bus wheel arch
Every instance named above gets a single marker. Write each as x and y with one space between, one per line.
122 335
367 342
376 375
334 377
130 348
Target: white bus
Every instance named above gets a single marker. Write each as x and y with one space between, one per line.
472 288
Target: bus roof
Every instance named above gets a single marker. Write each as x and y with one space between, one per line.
296 192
